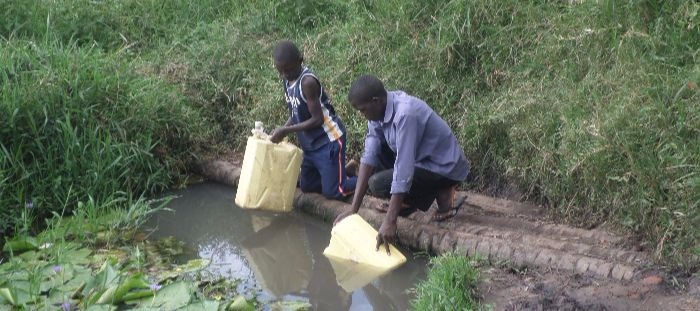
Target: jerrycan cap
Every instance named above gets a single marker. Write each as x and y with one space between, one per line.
259 131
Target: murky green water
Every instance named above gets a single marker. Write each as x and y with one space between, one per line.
277 256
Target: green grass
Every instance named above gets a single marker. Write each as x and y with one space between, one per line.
79 123
450 285
590 107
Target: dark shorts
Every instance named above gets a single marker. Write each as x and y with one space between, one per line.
424 188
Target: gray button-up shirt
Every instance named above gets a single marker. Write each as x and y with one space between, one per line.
419 137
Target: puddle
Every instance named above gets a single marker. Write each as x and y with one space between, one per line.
278 256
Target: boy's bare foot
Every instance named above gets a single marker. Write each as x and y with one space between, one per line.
351 168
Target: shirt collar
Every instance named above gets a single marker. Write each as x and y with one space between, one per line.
389 110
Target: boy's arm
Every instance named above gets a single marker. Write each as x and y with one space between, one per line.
407 133
367 164
360 190
312 92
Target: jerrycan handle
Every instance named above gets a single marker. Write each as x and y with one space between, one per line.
259 131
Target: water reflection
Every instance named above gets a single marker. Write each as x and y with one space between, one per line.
278 256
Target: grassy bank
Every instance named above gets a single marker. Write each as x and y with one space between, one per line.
590 107
450 285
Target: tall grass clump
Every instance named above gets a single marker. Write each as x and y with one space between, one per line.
107 25
450 285
79 123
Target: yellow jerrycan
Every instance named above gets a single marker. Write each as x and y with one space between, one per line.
269 173
353 256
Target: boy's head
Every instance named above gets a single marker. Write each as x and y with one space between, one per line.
367 94
288 60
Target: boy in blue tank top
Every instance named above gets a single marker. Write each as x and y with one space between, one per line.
320 131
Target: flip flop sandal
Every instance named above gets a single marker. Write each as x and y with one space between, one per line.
442 217
384 207
457 204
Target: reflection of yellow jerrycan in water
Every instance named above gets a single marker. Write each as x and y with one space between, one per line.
353 256
279 255
269 173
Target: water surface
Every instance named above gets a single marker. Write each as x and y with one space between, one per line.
277 256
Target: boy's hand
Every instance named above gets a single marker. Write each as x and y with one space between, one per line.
387 234
278 134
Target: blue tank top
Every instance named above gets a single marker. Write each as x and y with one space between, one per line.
331 129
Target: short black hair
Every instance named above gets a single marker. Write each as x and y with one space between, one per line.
286 52
365 87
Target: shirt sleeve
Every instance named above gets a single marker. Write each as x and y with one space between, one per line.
407 134
373 145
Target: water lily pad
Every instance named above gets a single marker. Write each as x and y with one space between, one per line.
57 298
19 284
81 276
107 296
201 306
30 256
107 277
115 294
20 244
16 275
136 295
170 297
77 256
17 296
101 308
240 304
191 266
194 265
6 296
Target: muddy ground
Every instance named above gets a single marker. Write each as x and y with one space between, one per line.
534 263
526 288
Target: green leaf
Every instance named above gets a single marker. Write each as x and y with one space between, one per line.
107 277
170 297
20 284
137 295
16 275
82 276
7 296
240 304
20 245
30 256
115 294
205 305
101 308
107 296
22 297
193 265
77 256
137 281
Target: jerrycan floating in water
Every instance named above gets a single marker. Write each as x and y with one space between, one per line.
353 255
269 173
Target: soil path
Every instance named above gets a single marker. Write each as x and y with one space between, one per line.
535 264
